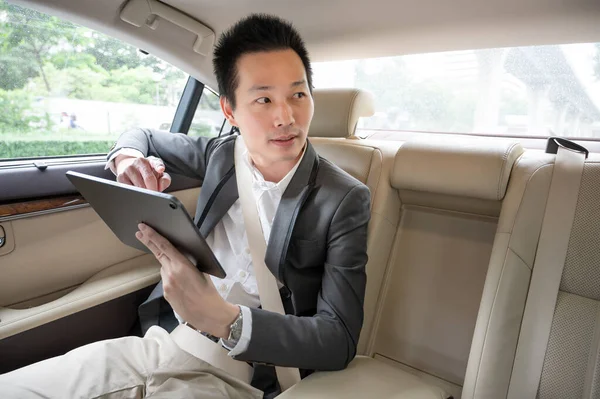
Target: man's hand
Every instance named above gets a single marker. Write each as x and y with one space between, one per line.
142 172
190 292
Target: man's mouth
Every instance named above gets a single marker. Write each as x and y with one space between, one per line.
284 139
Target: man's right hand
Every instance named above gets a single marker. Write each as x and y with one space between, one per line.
142 172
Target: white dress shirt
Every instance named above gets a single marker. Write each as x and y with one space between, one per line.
229 243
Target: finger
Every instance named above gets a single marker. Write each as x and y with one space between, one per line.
147 173
156 251
134 176
164 182
160 243
122 178
157 164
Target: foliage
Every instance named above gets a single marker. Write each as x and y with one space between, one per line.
58 58
43 57
121 85
16 111
28 149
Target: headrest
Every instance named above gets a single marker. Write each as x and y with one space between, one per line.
475 168
337 111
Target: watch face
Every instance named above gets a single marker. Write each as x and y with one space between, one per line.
236 329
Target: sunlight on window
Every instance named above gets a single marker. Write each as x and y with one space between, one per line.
532 91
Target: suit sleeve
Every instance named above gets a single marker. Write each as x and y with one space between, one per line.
181 154
327 340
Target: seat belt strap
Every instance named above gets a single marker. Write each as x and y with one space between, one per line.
547 269
268 292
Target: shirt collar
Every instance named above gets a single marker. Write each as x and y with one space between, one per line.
259 180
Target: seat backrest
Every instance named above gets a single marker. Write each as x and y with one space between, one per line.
450 194
331 133
571 363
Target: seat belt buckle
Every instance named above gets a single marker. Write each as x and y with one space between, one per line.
555 142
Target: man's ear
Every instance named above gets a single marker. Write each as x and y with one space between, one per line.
227 111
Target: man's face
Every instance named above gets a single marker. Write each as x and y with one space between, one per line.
273 105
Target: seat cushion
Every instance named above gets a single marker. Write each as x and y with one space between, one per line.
364 377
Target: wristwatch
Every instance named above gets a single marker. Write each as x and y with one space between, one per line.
235 330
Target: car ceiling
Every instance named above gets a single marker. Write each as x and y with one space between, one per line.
351 29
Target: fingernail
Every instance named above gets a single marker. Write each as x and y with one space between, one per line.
138 235
141 226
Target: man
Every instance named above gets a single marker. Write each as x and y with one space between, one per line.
313 216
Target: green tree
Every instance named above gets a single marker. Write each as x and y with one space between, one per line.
111 54
33 35
15 69
16 111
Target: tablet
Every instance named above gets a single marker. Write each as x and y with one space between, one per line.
122 207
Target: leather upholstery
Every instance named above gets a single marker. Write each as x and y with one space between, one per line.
337 111
365 377
474 168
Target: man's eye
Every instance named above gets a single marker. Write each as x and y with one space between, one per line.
263 100
299 95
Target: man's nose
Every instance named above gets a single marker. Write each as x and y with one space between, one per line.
284 115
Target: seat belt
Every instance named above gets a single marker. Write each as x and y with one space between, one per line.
548 267
268 292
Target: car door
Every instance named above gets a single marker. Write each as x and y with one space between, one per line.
67 92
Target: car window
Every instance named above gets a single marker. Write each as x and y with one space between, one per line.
208 120
69 90
527 91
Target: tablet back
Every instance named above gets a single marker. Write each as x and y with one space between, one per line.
123 206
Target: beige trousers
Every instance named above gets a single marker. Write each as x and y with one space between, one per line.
130 367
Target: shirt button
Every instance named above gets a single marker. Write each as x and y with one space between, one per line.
247 251
242 274
223 288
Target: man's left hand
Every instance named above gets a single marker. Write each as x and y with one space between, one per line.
190 292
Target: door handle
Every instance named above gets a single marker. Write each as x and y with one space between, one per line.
2 237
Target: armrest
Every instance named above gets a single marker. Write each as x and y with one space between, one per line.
111 283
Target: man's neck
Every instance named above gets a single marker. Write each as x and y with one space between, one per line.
274 171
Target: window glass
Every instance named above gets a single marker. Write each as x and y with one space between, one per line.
528 91
69 90
208 117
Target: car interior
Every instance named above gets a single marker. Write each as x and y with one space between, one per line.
456 217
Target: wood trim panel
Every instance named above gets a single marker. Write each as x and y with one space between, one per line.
22 208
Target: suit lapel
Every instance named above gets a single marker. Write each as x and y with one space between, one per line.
292 200
224 197
218 193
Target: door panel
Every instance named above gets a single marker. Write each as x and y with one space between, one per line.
68 261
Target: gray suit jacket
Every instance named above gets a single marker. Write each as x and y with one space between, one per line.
317 249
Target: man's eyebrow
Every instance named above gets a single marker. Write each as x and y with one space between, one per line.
298 83
266 88
260 88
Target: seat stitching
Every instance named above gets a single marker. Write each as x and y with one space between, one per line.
489 321
350 106
503 168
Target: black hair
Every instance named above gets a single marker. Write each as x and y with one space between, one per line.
253 34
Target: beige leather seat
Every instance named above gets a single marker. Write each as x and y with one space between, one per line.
451 191
449 196
570 368
337 112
